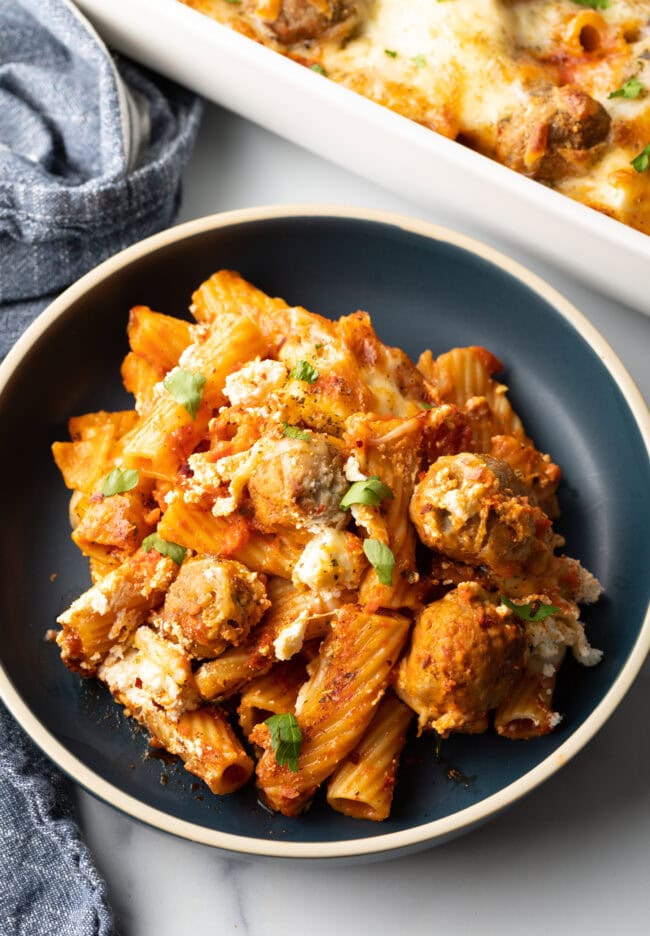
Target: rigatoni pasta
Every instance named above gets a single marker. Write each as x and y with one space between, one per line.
335 706
362 785
299 539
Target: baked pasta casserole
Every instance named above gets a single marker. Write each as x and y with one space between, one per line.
300 542
558 90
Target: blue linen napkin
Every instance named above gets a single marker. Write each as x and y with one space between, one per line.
48 881
91 154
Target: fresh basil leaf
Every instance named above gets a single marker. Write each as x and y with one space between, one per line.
286 739
382 558
642 161
630 90
294 432
186 388
370 492
164 547
303 370
534 611
119 482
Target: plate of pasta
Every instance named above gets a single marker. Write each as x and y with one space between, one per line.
325 553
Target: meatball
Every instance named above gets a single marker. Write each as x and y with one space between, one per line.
555 135
299 20
473 508
211 604
298 484
577 121
467 653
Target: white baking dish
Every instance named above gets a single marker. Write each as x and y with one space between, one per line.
388 149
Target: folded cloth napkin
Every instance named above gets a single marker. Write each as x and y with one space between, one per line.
91 153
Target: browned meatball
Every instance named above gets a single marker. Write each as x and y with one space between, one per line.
298 484
473 508
577 120
466 655
555 136
211 604
298 20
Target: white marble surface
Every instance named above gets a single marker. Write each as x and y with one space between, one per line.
574 857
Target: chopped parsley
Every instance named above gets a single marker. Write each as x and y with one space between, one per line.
286 740
534 611
391 53
642 161
119 482
630 90
382 558
295 432
594 4
164 547
303 370
370 492
419 60
427 406
186 388
318 69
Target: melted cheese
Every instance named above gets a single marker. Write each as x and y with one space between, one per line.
150 672
251 384
456 53
331 562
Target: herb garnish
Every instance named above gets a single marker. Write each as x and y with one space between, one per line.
534 611
371 492
594 4
286 739
391 53
642 161
186 388
382 558
303 370
419 60
119 482
318 69
164 547
294 432
630 90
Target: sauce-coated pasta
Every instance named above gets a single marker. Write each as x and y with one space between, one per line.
299 540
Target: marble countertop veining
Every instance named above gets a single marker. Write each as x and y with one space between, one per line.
573 857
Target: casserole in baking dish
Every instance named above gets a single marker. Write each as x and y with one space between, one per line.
555 89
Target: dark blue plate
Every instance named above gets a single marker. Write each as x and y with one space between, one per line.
424 288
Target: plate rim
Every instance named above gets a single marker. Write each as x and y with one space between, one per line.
416 837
